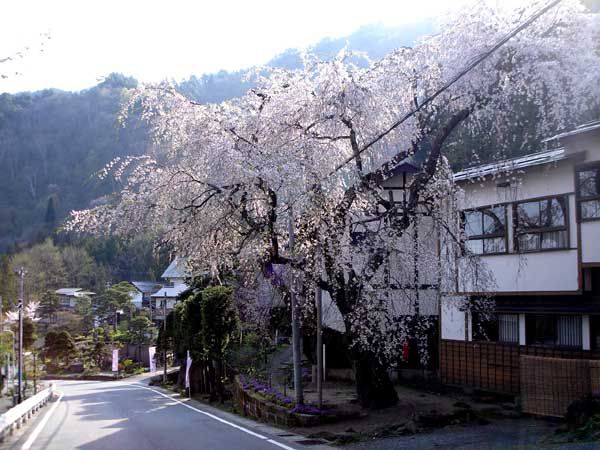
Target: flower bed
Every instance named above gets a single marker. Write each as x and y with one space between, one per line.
259 401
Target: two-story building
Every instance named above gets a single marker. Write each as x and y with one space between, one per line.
142 296
534 221
165 298
67 297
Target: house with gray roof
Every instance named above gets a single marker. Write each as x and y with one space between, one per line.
165 298
68 297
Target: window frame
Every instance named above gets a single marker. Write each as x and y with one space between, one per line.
566 227
482 237
554 318
595 165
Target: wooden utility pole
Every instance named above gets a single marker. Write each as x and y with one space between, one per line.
165 338
1 327
21 274
296 351
319 301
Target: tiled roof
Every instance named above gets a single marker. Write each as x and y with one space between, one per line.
580 129
147 287
67 291
177 269
73 292
509 165
170 292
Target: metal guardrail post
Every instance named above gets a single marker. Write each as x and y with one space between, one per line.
17 415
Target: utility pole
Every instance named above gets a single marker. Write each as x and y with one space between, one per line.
21 272
34 373
1 328
295 320
165 338
319 300
5 381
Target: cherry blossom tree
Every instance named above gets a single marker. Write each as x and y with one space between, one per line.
315 145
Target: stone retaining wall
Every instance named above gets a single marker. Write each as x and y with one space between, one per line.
252 406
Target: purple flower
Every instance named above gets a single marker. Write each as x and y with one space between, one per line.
307 409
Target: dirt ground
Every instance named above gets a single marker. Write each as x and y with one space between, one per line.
419 409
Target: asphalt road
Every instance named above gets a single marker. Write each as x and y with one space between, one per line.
128 415
524 434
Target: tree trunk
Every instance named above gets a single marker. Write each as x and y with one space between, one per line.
212 381
373 385
219 380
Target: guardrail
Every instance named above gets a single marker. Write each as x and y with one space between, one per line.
17 415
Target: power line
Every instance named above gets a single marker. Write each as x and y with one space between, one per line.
453 80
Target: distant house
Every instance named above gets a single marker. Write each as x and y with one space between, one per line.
142 296
166 297
68 297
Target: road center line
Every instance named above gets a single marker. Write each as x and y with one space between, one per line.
226 422
41 425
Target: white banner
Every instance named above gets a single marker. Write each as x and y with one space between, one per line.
115 360
151 354
188 365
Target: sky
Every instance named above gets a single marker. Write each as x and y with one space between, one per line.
173 39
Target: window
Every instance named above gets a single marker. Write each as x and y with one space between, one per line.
498 328
508 328
486 229
569 331
541 224
545 329
588 192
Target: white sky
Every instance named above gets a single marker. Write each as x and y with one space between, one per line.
152 40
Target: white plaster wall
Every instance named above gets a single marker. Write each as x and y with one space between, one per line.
177 281
531 272
590 242
533 182
136 299
453 319
584 142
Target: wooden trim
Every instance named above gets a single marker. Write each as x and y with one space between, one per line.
589 219
545 197
586 165
590 265
521 293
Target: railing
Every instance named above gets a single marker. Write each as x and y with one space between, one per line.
15 416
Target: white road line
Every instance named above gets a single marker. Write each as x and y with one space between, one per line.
279 444
226 422
41 425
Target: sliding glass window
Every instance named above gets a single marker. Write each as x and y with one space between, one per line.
588 192
541 224
486 229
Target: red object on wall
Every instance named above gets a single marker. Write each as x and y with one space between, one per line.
405 351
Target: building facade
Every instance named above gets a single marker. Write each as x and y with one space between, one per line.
165 298
534 221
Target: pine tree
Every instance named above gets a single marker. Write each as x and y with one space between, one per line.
8 283
50 213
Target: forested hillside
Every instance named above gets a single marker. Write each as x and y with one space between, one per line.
52 142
